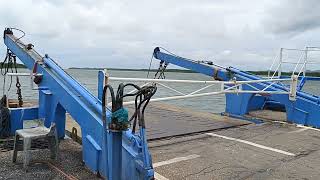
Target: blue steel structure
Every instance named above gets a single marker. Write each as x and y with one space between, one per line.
304 110
114 155
124 155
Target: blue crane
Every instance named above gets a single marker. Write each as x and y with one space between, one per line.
304 109
109 149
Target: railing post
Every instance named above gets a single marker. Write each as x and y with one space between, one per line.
112 139
102 81
305 61
280 63
293 88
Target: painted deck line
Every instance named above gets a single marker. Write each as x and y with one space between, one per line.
159 176
299 126
175 160
299 130
281 122
307 127
252 144
171 161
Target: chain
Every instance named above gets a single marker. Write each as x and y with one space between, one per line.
18 85
160 72
7 65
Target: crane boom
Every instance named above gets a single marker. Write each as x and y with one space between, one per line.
303 108
112 154
217 73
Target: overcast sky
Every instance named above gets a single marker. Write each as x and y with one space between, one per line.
123 33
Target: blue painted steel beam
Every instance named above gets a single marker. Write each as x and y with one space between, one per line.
277 86
55 91
101 77
19 114
215 72
305 110
75 85
60 93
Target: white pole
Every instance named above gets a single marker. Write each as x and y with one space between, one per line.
293 88
206 94
194 81
280 63
162 80
18 74
305 62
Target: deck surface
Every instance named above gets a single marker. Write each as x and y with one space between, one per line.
164 120
271 150
268 115
69 163
266 151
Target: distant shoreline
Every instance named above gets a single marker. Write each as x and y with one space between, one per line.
263 73
122 69
18 65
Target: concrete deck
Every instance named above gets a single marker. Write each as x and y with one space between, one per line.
268 115
271 150
266 151
68 166
164 120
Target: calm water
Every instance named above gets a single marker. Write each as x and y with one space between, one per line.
88 78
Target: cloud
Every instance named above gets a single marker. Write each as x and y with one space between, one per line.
98 33
294 17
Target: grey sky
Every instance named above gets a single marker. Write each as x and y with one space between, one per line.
123 33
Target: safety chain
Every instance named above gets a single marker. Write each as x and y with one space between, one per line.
160 72
18 85
9 63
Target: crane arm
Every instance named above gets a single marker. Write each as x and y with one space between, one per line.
104 151
217 72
